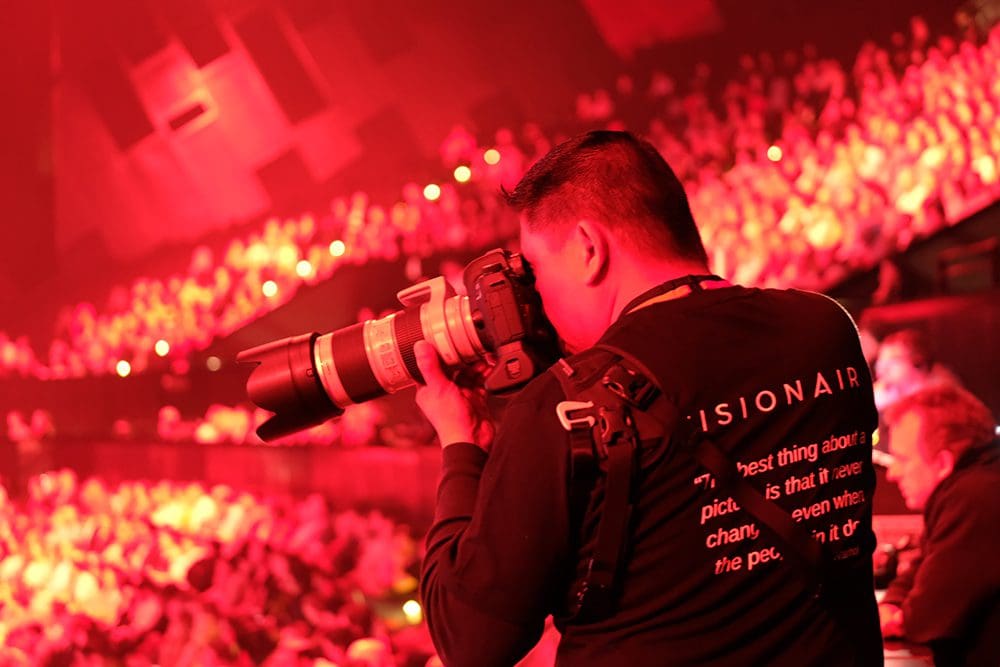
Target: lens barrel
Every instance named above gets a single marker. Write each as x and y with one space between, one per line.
285 382
308 379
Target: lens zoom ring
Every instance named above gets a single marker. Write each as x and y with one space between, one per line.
347 347
407 330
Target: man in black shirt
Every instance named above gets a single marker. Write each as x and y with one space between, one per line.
947 464
775 378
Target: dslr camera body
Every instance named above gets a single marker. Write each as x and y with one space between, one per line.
308 379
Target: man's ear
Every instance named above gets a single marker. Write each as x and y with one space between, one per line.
593 243
944 462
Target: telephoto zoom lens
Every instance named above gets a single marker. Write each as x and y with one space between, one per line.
308 379
285 382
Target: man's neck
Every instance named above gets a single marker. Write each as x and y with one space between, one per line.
637 282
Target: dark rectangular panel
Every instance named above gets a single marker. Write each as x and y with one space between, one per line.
281 68
287 180
390 154
27 254
134 30
385 38
195 25
115 99
87 43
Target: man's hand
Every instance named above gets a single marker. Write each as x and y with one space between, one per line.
456 413
891 619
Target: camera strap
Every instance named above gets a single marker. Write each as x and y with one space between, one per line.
813 559
672 288
598 414
607 391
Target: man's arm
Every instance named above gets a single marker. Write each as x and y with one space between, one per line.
890 609
497 550
957 568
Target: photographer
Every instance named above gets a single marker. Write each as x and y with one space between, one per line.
774 379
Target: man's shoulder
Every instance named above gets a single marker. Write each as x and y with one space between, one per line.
530 415
970 494
816 312
542 388
778 302
815 300
547 389
978 482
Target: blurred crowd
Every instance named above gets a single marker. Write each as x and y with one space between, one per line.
160 322
800 170
180 574
360 425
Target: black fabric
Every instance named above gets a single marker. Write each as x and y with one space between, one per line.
693 281
771 376
796 542
605 564
950 596
793 541
593 454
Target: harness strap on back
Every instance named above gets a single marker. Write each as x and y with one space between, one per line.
813 559
602 438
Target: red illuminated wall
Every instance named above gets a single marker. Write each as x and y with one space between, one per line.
172 120
629 25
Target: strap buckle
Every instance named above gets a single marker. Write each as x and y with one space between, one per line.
568 421
616 424
632 387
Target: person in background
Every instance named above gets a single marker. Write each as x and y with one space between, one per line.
947 464
906 364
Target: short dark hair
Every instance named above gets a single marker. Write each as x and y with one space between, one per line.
953 419
916 344
617 179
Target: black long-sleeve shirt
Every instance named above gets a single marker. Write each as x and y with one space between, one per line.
950 595
778 380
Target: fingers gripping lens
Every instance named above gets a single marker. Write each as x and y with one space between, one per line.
308 379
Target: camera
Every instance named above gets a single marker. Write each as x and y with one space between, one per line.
308 379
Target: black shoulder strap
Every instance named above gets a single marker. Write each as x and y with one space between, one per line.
801 547
583 463
602 436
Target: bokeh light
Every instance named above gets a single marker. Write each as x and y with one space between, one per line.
463 173
338 248
492 156
213 363
411 609
123 368
162 348
269 288
287 254
303 269
432 192
773 153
